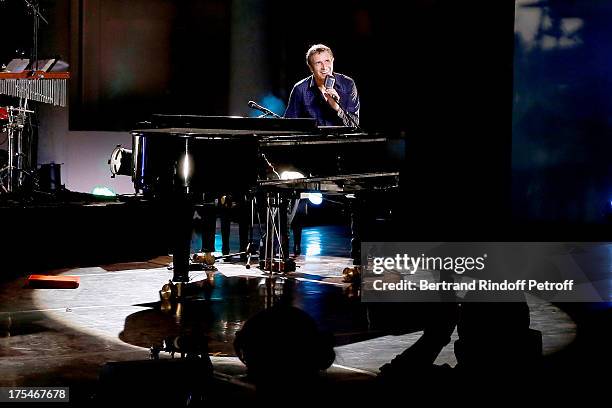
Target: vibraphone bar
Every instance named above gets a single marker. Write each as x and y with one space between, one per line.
46 87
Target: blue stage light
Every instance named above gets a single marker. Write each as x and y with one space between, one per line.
271 102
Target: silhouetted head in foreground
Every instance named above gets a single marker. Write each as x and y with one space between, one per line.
282 344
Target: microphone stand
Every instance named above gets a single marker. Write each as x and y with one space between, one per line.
265 115
266 111
34 6
36 10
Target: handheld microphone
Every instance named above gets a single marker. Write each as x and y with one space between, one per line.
255 105
330 81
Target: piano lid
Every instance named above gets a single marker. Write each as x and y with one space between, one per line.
300 125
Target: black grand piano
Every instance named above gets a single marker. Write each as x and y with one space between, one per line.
179 159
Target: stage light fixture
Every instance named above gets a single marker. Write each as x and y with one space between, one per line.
315 198
120 162
291 175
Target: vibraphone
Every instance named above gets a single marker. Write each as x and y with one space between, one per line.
46 87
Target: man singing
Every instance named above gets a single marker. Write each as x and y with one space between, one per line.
334 102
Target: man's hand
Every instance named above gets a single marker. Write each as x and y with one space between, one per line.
332 97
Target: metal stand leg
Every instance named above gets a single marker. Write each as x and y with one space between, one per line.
269 238
15 166
276 237
250 243
11 156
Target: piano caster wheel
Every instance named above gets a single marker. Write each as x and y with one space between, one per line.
351 275
205 258
171 291
167 291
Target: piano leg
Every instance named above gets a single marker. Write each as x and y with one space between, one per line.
207 225
181 211
237 207
245 226
225 213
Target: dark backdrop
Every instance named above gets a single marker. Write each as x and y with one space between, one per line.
562 123
438 71
134 58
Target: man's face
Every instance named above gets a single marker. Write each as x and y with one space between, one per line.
321 65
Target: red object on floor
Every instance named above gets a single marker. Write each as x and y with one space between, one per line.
53 282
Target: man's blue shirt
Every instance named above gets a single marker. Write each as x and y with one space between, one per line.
306 101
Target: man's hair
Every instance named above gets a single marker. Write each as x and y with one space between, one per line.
315 49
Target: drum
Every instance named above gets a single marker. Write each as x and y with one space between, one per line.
3 113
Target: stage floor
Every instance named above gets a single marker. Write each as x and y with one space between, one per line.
62 337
